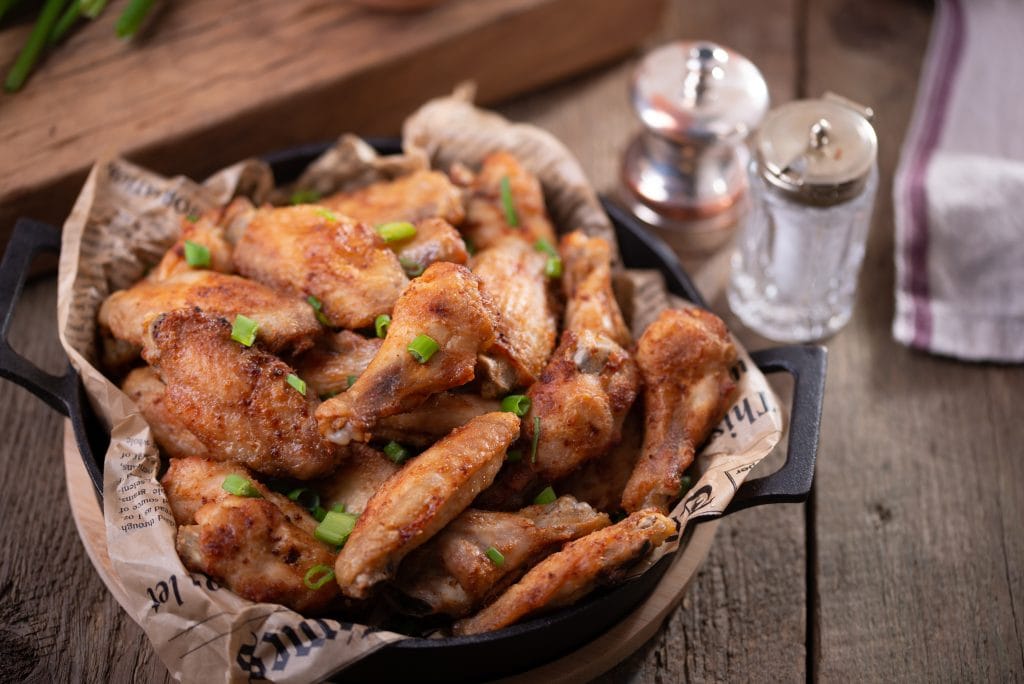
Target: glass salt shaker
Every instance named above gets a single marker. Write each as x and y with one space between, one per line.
812 179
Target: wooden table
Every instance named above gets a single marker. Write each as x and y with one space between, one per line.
908 562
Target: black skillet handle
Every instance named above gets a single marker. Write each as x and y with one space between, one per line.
29 238
792 482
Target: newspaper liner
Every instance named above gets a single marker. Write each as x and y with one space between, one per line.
123 221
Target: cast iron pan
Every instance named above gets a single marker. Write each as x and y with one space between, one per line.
523 646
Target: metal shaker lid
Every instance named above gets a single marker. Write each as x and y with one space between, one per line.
818 151
700 92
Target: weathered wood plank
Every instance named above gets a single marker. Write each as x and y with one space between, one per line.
918 497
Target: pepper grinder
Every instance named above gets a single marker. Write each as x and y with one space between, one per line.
684 174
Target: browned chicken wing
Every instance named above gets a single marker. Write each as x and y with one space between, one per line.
685 357
512 272
436 417
445 303
309 250
590 300
414 505
600 558
487 215
357 480
286 323
146 389
435 240
452 573
235 399
206 234
336 360
416 196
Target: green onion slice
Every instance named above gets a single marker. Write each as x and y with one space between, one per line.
509 203
192 218
396 231
351 380
685 482
381 325
411 267
536 439
319 513
335 528
306 498
298 383
317 576
318 309
545 497
514 456
553 267
304 197
423 347
196 255
396 452
543 245
240 486
339 508
244 330
495 555
518 404
327 214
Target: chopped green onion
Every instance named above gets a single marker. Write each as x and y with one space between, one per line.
192 218
312 581
412 268
132 17
518 404
423 347
306 498
495 556
196 255
396 231
543 245
685 482
396 452
508 203
92 8
536 439
318 309
67 20
304 197
319 513
351 380
470 247
298 383
514 456
553 267
244 330
339 508
381 325
335 528
240 486
327 214
36 42
545 497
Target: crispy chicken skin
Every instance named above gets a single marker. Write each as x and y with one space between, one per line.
286 323
601 481
587 281
260 548
146 389
512 272
414 197
427 494
308 250
357 480
486 221
435 240
445 303
452 574
685 357
235 399
327 367
600 558
205 232
436 417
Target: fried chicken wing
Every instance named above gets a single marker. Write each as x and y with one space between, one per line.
205 233
512 272
309 250
435 240
600 558
452 574
335 359
685 357
146 389
590 301
436 417
487 218
357 480
235 399
286 323
447 304
414 505
416 196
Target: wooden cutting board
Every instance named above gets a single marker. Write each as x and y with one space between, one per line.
208 83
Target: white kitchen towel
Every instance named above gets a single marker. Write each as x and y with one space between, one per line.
959 189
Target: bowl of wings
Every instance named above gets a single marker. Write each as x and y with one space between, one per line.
404 405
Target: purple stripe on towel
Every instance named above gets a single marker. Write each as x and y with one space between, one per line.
949 46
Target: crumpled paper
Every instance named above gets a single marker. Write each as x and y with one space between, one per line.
123 221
